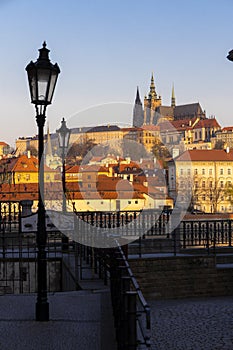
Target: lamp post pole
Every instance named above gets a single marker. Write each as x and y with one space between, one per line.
63 138
42 78
63 181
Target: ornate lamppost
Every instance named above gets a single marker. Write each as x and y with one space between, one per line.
42 78
63 139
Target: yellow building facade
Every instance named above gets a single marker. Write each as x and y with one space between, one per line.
202 179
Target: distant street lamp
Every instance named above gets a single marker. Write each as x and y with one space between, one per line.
63 138
42 78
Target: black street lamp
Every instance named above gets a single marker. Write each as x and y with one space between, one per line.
42 78
63 139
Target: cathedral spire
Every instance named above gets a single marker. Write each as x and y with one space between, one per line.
173 99
137 99
152 92
137 110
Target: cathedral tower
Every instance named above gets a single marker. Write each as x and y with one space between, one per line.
151 103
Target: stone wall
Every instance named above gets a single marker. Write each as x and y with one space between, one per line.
183 276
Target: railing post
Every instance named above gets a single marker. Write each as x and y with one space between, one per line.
184 234
229 232
207 238
125 287
132 320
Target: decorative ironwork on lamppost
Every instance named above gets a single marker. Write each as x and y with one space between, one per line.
42 78
63 139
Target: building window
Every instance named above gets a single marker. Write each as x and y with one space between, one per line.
189 171
136 202
221 171
211 184
195 172
229 171
129 202
89 185
221 184
203 171
196 184
210 171
181 172
89 177
27 177
203 184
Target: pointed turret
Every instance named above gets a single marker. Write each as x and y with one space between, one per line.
151 103
173 99
137 99
137 110
152 92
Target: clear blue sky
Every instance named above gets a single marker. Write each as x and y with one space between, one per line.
106 48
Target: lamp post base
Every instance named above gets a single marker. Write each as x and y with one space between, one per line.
42 311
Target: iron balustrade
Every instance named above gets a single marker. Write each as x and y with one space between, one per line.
205 233
131 311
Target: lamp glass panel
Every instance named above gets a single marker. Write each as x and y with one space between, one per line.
43 77
52 85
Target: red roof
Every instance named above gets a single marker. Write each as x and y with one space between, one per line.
206 155
21 164
227 128
207 123
150 127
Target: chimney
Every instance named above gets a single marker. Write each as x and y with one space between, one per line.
29 154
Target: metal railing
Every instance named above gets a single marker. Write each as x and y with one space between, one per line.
131 311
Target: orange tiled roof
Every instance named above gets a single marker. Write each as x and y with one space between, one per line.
207 123
227 128
206 155
93 168
150 127
21 164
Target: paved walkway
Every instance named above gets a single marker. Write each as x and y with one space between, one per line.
78 320
192 324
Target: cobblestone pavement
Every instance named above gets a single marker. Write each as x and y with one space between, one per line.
192 324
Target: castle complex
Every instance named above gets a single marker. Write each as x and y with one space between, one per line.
155 113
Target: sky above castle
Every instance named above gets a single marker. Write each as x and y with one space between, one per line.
105 49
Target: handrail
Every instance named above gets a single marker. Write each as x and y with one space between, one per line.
145 309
